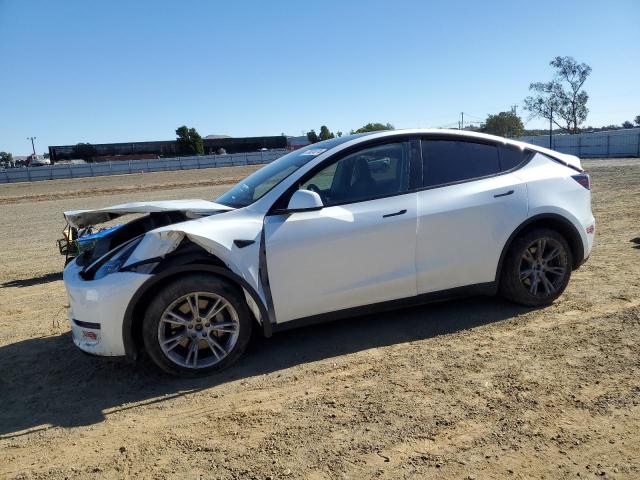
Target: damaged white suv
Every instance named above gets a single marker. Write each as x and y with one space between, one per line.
341 227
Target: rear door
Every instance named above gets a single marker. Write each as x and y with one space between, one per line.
357 250
469 205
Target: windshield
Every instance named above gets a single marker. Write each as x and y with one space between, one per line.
256 185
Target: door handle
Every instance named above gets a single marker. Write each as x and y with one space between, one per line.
401 212
503 194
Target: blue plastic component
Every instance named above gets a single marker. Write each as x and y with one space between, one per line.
88 241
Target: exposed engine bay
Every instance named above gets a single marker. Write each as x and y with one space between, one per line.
86 243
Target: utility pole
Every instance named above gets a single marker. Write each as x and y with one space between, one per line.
462 120
32 144
514 109
551 127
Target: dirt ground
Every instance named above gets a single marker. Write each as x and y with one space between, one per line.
474 388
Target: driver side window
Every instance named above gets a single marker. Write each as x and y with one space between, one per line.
364 175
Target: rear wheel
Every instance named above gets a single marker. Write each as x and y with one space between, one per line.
537 268
197 325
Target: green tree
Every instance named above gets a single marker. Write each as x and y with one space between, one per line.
339 134
637 120
627 124
562 99
6 158
325 134
312 136
373 127
505 124
189 141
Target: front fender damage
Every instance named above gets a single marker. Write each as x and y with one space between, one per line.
216 235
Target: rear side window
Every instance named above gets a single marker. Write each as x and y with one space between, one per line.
450 161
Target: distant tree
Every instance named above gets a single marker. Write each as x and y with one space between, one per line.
6 158
505 124
325 134
338 134
312 136
45 155
373 127
563 98
189 141
603 128
627 124
637 120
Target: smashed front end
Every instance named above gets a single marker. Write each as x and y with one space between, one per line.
106 267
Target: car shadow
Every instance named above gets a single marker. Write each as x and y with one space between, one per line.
29 282
47 381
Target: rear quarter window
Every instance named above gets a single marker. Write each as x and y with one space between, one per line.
511 157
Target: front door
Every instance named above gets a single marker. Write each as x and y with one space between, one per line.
357 250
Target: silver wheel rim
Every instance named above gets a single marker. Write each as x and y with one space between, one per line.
543 267
198 330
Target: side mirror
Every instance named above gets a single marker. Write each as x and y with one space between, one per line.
304 200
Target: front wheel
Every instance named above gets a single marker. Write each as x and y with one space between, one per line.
196 325
537 268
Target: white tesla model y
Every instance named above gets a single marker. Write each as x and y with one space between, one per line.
346 226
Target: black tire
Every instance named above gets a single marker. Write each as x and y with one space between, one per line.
173 292
527 286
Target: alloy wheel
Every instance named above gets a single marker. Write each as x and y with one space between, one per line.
198 330
543 267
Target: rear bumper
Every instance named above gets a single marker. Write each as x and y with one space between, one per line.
97 307
589 234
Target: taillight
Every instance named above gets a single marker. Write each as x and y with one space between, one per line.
583 179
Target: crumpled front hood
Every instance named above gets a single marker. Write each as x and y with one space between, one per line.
191 208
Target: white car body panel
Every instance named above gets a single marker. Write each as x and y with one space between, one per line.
463 228
551 189
341 256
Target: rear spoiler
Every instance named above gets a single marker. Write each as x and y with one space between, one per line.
570 161
565 159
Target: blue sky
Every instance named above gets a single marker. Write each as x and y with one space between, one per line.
110 71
